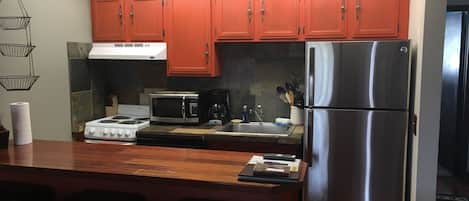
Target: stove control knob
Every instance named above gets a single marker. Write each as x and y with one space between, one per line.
127 133
91 131
106 131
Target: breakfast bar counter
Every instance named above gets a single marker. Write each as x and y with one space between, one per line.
156 173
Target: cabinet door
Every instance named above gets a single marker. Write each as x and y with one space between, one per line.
234 19
108 20
189 45
278 19
371 18
325 19
145 20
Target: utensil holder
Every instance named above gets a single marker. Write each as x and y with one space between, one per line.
4 138
296 115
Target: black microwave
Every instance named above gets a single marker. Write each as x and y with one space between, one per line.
174 107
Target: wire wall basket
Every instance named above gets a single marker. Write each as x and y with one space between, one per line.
18 82
14 23
16 50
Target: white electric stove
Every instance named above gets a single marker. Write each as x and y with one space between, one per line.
119 129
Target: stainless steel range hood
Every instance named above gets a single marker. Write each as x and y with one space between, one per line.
128 51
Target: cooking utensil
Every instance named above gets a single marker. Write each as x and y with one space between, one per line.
291 97
299 99
282 94
296 85
289 86
289 93
281 90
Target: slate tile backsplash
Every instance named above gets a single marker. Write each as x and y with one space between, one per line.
251 72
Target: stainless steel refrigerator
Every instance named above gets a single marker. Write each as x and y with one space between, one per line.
357 111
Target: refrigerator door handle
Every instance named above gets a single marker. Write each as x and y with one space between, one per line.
308 137
309 75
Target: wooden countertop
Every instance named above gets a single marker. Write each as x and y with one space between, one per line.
160 163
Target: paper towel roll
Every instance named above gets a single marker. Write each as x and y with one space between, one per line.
21 123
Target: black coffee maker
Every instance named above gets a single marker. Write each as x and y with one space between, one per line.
215 105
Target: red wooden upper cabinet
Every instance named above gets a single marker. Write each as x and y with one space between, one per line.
325 19
145 20
108 20
190 50
234 19
372 18
277 19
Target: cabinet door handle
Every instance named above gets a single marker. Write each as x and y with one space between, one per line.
132 13
183 108
262 10
120 14
206 53
249 11
357 10
342 9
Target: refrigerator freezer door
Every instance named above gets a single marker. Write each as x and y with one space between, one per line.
355 155
358 75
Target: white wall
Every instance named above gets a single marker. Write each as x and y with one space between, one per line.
427 25
53 24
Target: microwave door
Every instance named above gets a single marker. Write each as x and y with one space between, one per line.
167 109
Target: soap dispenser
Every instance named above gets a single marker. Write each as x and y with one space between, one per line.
245 114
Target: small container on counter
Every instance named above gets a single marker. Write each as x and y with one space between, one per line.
236 121
245 115
282 121
4 138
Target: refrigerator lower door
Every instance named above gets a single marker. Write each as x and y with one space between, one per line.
355 155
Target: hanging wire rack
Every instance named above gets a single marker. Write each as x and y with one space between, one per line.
18 82
16 22
18 50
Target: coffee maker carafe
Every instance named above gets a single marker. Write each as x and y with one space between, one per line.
215 106
216 114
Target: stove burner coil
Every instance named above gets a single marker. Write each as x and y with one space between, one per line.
108 121
133 122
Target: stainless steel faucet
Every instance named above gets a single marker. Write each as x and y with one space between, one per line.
259 112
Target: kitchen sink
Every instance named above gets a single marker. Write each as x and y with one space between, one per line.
256 128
